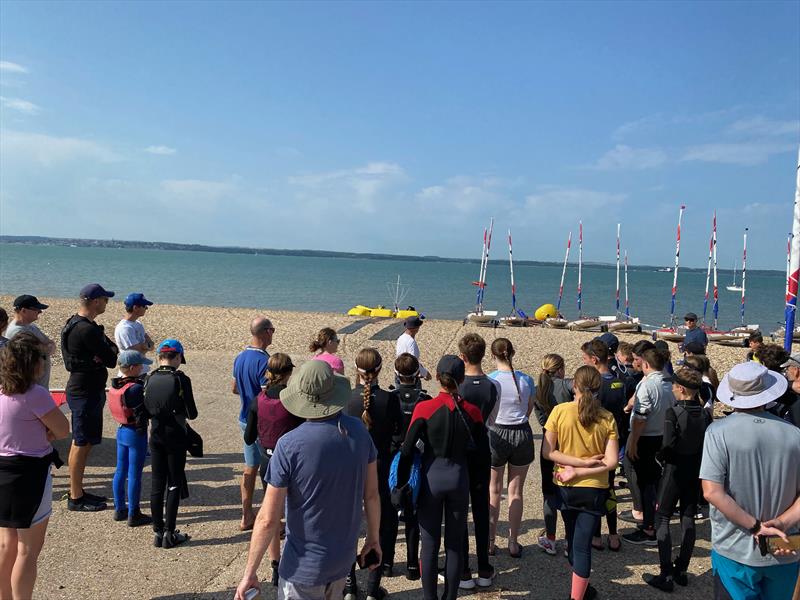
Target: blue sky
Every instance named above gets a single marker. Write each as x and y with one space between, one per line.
402 127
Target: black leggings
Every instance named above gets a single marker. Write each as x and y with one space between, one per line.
611 516
677 484
648 473
445 491
581 512
479 476
167 479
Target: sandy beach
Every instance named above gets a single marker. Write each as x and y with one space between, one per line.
91 556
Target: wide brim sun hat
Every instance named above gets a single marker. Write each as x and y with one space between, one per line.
315 391
750 385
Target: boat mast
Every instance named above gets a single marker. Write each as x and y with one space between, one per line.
677 264
618 226
479 283
708 275
794 268
716 289
580 266
513 287
744 270
627 304
788 260
563 273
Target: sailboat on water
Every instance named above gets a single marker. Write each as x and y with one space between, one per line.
733 287
481 316
620 321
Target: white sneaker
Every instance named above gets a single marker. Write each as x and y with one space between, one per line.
466 584
547 545
486 581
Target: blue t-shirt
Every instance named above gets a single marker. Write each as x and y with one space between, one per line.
250 373
324 471
695 335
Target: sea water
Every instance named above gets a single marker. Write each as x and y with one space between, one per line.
437 289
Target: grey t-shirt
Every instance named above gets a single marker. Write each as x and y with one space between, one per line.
14 328
755 456
652 399
324 471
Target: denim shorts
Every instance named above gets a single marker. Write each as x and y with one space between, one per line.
252 452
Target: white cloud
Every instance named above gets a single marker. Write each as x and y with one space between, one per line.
48 150
623 157
464 195
745 154
551 201
765 127
20 105
364 187
162 150
10 67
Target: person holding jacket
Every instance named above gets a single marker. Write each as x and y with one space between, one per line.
29 422
448 426
380 413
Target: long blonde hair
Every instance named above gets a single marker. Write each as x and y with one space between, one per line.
588 382
368 365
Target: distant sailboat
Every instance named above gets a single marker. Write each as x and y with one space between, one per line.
733 287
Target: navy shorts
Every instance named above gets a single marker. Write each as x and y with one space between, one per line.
87 417
511 444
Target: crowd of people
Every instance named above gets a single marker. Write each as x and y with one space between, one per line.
335 458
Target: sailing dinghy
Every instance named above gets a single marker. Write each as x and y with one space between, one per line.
583 323
481 316
673 333
559 322
516 317
620 322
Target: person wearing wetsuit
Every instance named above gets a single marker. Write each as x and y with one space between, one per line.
448 426
169 402
482 391
685 426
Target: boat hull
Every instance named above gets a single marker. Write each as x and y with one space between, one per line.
487 316
668 335
556 323
586 325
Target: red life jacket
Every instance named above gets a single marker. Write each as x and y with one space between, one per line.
116 404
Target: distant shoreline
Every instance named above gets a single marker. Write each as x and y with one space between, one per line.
33 240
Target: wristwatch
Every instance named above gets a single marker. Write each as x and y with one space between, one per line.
755 528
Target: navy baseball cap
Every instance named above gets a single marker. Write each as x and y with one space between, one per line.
136 299
412 322
28 301
95 290
172 345
452 365
610 340
129 358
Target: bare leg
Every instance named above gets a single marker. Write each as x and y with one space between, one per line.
516 482
248 487
23 578
495 492
78 455
8 555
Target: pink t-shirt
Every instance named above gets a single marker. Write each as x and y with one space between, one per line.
21 431
334 361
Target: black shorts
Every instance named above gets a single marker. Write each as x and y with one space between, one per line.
512 444
87 417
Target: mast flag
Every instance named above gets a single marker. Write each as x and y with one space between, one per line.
511 267
580 265
716 290
794 268
618 226
708 274
677 264
563 273
627 304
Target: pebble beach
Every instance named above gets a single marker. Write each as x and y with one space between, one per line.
91 556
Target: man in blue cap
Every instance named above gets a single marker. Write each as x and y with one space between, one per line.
129 332
88 354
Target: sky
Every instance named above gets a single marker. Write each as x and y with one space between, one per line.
403 127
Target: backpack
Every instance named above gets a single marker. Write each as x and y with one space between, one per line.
116 404
405 478
163 394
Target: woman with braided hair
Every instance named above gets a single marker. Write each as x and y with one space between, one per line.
381 414
510 442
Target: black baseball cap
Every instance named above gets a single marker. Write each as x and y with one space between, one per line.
690 316
412 322
95 290
28 301
452 365
694 348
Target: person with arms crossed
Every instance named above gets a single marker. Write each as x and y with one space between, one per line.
129 332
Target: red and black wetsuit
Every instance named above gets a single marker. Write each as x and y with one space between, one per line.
449 432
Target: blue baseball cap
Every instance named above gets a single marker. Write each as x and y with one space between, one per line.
130 358
95 290
136 299
172 345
